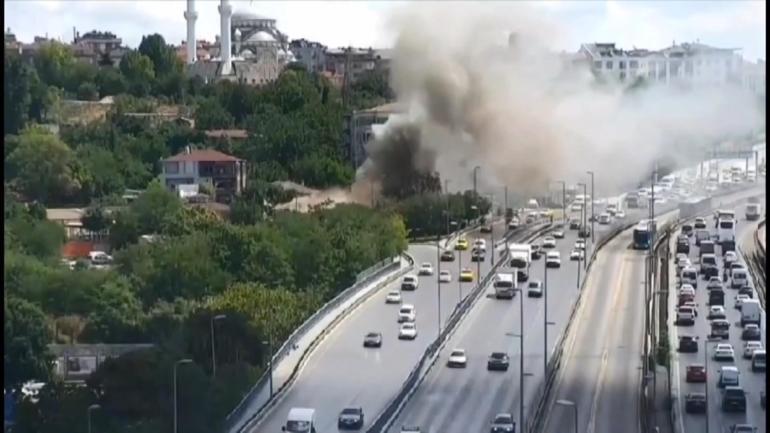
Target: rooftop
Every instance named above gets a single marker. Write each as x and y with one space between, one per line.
227 133
203 155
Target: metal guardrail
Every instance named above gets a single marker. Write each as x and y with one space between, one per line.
362 280
391 412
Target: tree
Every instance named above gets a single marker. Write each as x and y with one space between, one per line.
139 72
110 82
163 57
16 94
210 114
54 63
25 344
41 164
88 92
95 220
39 238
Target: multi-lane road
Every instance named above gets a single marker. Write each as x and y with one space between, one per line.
752 382
341 372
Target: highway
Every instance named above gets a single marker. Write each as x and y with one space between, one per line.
464 400
752 382
341 372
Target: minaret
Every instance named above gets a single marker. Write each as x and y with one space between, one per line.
190 15
225 12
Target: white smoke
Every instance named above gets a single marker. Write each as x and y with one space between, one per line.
527 117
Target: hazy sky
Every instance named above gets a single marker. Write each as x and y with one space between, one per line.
644 24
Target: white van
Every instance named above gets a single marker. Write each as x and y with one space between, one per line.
300 420
726 229
504 285
406 313
740 278
685 316
751 312
728 376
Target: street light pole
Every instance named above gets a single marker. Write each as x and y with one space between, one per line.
563 200
269 344
177 364
584 225
438 272
91 408
545 318
593 219
521 355
213 346
574 410
459 279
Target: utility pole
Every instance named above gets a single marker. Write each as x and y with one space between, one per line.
593 218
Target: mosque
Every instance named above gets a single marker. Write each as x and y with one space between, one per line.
251 49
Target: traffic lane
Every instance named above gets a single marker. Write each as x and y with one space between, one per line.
339 372
583 356
466 399
752 382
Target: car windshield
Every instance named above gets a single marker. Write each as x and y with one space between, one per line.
350 411
503 419
372 335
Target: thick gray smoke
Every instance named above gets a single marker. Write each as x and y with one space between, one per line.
525 114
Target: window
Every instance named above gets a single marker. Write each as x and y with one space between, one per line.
609 64
171 167
633 64
622 64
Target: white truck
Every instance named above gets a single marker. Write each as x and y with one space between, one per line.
751 312
520 257
504 285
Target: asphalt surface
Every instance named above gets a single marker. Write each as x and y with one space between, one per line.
752 382
465 400
341 372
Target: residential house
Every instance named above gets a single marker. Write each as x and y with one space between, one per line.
225 173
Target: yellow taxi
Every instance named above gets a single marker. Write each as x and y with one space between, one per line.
462 244
466 275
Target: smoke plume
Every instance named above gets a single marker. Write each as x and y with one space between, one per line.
525 114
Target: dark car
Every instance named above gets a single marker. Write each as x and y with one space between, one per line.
688 344
695 402
498 361
734 399
503 423
574 224
696 373
746 290
584 232
351 418
751 333
477 255
687 230
537 251
717 297
683 247
373 339
486 228
448 256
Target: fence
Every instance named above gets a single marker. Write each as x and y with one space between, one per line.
391 412
756 264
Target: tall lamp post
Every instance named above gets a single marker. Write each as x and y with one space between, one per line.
213 345
91 408
584 224
478 263
269 344
574 410
593 219
176 411
563 200
520 336
545 318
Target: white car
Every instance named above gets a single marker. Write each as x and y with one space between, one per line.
558 234
717 312
604 218
549 242
457 359
739 300
426 269
749 347
580 244
480 244
445 276
394 297
534 289
724 352
576 254
408 331
679 257
553 259
620 214
729 258
406 313
684 263
687 288
577 207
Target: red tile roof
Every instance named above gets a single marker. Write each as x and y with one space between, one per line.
204 155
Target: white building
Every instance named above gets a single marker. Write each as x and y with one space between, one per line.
754 77
692 64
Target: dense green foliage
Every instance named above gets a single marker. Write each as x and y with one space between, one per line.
433 214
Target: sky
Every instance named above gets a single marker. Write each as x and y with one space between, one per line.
643 24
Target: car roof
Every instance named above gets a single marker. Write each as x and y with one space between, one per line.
352 410
729 368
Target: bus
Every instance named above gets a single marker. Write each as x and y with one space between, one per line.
643 234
